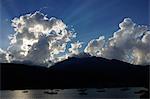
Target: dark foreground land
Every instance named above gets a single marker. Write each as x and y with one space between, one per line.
90 72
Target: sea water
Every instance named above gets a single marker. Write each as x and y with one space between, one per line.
92 93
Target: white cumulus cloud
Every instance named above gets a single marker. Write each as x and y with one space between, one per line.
130 43
74 50
4 56
95 46
38 39
43 41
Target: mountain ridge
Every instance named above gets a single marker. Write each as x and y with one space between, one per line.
74 73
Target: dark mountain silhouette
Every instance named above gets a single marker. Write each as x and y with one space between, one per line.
75 73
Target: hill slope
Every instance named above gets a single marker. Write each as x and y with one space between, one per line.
74 73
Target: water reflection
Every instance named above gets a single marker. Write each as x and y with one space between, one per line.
100 90
82 91
51 91
74 93
17 94
125 89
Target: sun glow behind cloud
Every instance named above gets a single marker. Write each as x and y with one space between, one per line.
38 39
26 46
43 41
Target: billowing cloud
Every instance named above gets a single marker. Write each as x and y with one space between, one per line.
4 56
43 41
74 50
38 39
130 43
95 46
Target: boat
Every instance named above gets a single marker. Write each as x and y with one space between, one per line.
25 91
50 92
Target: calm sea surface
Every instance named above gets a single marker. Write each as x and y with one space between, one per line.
71 93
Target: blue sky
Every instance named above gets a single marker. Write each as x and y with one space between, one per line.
90 18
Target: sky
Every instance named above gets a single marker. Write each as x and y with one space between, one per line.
89 18
45 32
